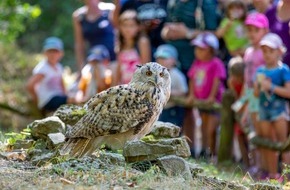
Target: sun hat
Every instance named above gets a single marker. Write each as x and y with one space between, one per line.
52 43
205 40
258 20
98 53
166 51
274 41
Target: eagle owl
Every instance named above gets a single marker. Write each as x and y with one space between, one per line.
121 113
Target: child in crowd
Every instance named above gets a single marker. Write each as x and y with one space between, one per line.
93 74
46 85
257 26
134 47
235 83
232 28
272 86
206 77
167 56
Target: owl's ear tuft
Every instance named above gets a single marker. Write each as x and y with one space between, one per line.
138 66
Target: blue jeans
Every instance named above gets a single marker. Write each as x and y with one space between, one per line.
271 111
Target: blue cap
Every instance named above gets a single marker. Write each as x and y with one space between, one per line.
98 53
52 43
166 51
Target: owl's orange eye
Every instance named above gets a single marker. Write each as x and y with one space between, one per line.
148 73
161 74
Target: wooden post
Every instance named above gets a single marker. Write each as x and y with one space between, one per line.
227 127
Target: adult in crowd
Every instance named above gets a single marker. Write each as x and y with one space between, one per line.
185 20
284 7
152 15
279 17
93 25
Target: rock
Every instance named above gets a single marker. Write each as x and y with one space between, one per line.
174 166
41 128
165 129
181 146
84 164
218 184
16 155
56 138
23 144
143 166
43 158
41 153
195 169
111 158
141 151
70 114
264 186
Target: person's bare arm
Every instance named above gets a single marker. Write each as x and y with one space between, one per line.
190 98
30 86
220 32
282 91
144 49
116 13
79 44
178 30
214 90
63 86
117 76
100 79
283 10
256 89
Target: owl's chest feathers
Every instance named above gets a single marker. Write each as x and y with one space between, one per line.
156 99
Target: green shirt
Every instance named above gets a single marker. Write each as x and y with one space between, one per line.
235 37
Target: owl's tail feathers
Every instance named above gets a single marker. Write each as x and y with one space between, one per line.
79 147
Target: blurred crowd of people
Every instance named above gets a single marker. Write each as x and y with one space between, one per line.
209 46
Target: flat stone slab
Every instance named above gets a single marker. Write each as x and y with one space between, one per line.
141 151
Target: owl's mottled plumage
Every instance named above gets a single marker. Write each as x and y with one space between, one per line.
121 113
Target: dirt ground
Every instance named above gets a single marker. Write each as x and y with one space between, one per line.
24 176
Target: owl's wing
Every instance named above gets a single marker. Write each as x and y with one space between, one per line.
121 109
102 96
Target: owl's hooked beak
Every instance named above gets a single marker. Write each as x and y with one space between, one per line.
154 81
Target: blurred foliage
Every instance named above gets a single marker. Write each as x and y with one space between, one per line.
13 137
15 68
55 20
14 15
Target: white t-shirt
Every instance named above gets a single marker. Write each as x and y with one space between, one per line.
51 85
178 83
